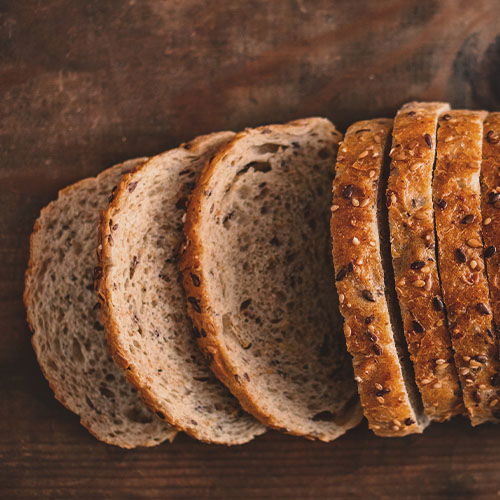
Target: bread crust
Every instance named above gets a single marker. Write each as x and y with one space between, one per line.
360 281
220 361
457 202
490 207
30 272
411 221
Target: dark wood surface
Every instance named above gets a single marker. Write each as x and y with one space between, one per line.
85 84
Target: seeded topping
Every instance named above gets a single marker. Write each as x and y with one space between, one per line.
382 392
428 140
468 219
492 138
480 358
418 264
390 198
369 320
438 304
493 197
441 204
409 421
446 117
474 243
132 186
417 327
344 271
377 349
482 309
367 295
489 251
195 279
347 191
194 302
460 256
371 337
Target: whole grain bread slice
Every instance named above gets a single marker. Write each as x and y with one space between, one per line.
257 270
490 208
62 312
457 202
143 301
365 285
411 221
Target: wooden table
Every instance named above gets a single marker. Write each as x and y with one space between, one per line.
85 84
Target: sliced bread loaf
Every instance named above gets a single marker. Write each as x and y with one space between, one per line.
62 308
457 202
411 221
365 285
257 270
490 196
144 305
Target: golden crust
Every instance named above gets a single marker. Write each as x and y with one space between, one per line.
360 281
411 221
456 195
490 204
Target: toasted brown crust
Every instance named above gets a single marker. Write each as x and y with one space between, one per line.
104 294
490 204
30 272
411 221
220 363
456 194
360 281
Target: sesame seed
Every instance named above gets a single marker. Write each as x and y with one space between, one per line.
371 174
466 358
347 330
448 139
395 421
474 243
335 207
380 399
370 328
425 381
487 221
358 379
341 297
363 154
355 241
437 385
418 283
493 403
395 428
355 202
378 386
474 364
372 243
440 361
364 202
376 154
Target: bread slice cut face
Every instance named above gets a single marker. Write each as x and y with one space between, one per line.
144 305
258 274
63 313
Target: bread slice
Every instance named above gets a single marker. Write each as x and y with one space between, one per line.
257 270
490 196
62 308
143 301
411 222
364 281
457 202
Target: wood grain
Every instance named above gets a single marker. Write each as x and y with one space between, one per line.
88 84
